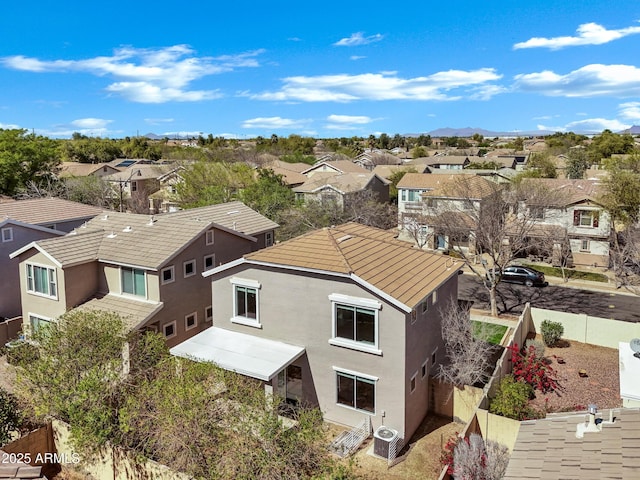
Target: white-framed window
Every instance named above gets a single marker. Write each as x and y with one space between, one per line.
424 369
169 329
585 245
42 280
586 218
434 357
268 239
246 305
133 281
413 382
403 195
209 261
7 234
414 316
167 275
189 268
356 390
425 306
38 322
536 212
191 321
208 314
134 186
355 323
209 237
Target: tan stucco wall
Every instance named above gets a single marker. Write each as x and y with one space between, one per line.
81 282
498 429
295 308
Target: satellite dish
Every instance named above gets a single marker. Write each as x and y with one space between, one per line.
635 346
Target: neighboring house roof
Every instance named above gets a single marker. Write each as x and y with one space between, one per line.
141 172
455 185
133 311
343 183
291 172
17 223
147 241
548 448
340 166
370 256
449 160
573 191
39 211
385 171
77 169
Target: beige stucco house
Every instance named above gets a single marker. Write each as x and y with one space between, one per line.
25 221
346 318
146 268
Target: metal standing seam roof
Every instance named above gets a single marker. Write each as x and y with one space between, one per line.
46 211
256 357
397 269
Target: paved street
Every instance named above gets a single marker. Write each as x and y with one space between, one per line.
511 299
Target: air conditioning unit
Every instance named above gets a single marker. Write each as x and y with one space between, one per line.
382 438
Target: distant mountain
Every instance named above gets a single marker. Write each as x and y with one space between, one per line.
633 130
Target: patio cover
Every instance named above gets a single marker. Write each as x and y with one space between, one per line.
238 352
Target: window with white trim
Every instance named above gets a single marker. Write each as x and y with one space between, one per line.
209 237
191 321
134 186
209 261
246 307
42 280
7 234
412 383
134 281
433 358
584 245
169 329
423 369
268 239
37 323
355 322
167 275
208 314
189 268
356 391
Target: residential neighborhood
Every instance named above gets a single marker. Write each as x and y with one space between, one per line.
379 308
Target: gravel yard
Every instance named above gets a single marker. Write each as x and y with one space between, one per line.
600 386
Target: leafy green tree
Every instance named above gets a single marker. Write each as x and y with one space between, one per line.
541 165
419 152
209 183
577 163
25 158
10 416
269 195
488 165
424 140
609 143
395 178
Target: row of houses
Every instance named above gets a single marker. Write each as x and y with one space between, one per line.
344 318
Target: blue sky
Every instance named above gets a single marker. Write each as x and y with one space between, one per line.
329 69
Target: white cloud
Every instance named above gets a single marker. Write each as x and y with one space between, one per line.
630 111
358 38
91 123
274 122
356 57
158 121
9 126
590 125
350 119
383 86
588 81
147 75
587 34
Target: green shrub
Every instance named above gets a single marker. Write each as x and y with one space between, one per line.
10 417
512 399
551 332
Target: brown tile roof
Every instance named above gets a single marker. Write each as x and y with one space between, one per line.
548 448
291 172
150 241
404 273
140 172
454 185
343 166
134 312
385 171
570 191
40 211
343 182
76 169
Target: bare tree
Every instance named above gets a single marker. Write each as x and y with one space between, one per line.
475 458
501 223
468 357
625 259
416 227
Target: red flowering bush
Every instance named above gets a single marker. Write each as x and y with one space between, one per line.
530 368
446 457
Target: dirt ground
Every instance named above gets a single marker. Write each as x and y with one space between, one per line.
420 459
600 386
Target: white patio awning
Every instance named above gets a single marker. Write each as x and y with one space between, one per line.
238 352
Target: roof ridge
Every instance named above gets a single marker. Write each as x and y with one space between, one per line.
336 244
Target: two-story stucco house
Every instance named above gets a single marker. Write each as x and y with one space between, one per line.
346 318
25 221
586 222
146 268
428 202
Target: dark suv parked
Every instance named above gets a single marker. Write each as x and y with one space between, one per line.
523 275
